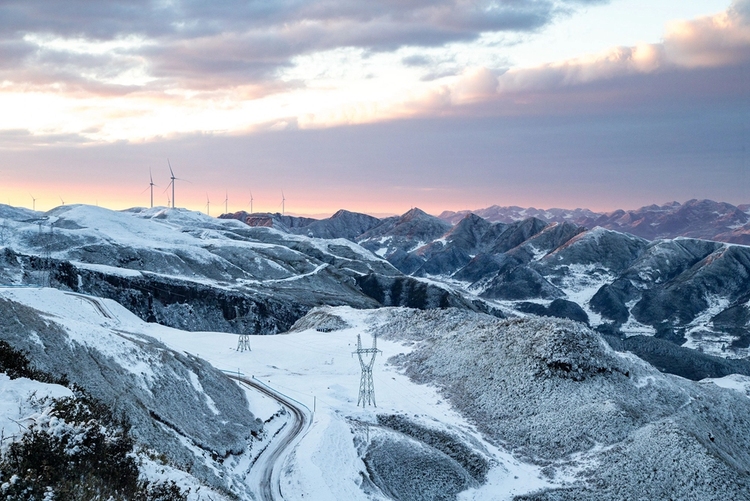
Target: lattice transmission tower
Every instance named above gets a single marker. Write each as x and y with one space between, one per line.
366 387
243 344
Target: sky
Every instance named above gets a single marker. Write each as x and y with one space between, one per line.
375 106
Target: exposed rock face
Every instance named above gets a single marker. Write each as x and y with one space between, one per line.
409 292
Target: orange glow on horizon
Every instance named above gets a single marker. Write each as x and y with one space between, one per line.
323 205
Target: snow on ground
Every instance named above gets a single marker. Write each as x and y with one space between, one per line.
734 382
581 283
319 370
633 327
17 409
88 321
700 336
315 368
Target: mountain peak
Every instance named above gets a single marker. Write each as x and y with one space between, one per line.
413 213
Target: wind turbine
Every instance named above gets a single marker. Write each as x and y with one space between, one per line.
151 186
251 202
226 203
33 202
173 179
208 206
63 201
282 202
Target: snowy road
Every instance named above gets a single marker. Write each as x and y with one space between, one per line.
266 473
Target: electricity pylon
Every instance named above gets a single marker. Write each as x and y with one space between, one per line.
243 344
366 387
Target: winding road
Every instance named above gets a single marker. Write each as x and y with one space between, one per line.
267 469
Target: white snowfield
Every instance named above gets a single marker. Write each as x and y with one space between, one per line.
319 370
315 369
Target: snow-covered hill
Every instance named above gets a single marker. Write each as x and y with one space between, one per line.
187 270
191 271
181 408
553 392
469 406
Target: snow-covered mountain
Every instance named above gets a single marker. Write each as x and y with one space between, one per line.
685 290
704 219
470 406
188 270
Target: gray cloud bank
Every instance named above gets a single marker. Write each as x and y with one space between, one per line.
205 44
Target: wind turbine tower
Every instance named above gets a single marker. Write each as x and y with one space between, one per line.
366 386
283 200
172 182
251 202
151 185
171 172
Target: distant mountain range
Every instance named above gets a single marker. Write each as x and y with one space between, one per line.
680 284
262 273
703 219
601 419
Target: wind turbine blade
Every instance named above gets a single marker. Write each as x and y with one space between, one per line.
170 184
170 168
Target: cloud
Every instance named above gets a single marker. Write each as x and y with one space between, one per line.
711 41
224 44
697 59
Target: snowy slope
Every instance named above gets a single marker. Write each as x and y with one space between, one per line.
180 407
483 408
185 269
